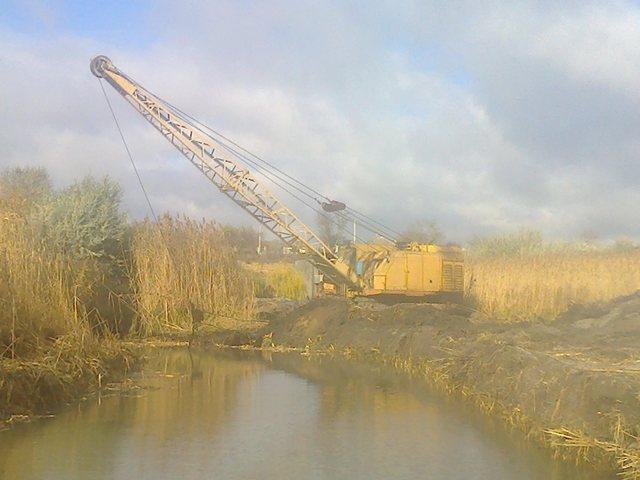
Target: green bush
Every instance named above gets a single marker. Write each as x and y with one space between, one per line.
84 221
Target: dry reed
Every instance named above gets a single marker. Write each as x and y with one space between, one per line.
38 291
279 280
527 287
49 354
58 267
185 271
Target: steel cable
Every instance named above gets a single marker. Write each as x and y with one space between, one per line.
359 218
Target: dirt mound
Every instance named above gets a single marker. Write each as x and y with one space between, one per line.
574 382
270 308
616 322
392 329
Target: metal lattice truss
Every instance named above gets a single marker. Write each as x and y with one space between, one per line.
235 181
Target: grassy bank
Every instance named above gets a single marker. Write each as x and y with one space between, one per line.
61 373
76 278
62 291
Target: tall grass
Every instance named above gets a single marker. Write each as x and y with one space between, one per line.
36 294
58 265
527 280
183 272
60 259
279 280
73 272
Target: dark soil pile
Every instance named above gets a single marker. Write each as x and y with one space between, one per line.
573 383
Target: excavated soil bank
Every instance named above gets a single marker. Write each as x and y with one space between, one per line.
573 383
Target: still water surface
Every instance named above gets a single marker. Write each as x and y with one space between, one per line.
238 415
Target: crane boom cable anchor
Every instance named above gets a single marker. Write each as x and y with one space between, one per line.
275 181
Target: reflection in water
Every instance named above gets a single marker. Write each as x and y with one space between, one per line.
238 415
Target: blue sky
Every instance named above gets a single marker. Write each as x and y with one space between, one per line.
482 119
117 22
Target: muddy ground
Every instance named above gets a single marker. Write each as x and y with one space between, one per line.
573 383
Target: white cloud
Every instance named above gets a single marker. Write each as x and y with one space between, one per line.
362 105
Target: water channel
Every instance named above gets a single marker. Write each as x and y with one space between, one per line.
246 415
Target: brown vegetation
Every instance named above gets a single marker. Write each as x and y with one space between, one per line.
60 372
184 271
277 280
59 272
60 266
74 275
543 286
521 277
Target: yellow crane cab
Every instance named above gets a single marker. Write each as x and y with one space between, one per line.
414 270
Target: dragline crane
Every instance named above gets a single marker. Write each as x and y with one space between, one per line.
365 269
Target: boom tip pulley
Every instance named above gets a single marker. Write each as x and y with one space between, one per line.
99 64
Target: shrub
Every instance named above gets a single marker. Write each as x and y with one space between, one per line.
61 261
